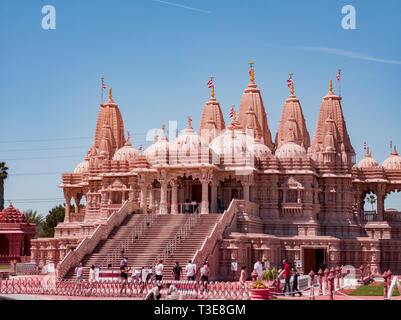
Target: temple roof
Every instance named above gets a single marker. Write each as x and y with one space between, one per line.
368 161
212 118
292 118
12 215
252 98
392 162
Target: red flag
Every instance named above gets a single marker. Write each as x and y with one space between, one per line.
103 85
364 145
232 113
289 82
339 76
391 144
140 148
210 83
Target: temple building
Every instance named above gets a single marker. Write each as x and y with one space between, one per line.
15 236
229 194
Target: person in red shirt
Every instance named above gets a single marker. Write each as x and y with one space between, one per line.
287 276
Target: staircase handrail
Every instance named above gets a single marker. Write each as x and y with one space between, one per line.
89 243
208 244
131 238
179 236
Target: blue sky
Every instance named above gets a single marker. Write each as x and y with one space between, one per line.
158 56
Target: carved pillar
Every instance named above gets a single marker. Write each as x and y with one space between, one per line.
246 190
77 199
381 189
143 197
213 196
174 197
205 196
151 197
163 197
67 196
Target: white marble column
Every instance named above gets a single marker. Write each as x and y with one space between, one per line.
163 197
174 197
205 197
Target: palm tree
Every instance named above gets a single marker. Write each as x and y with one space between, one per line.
3 176
33 217
372 200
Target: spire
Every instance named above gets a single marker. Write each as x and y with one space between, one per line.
331 111
331 85
189 122
252 123
212 111
293 118
235 124
368 155
394 153
111 93
164 137
252 97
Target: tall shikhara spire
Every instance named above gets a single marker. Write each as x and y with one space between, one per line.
212 123
110 116
252 97
331 131
292 118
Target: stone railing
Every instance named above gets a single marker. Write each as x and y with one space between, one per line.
218 230
88 244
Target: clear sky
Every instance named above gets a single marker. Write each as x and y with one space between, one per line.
158 55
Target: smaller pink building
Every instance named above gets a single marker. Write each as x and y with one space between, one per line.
15 235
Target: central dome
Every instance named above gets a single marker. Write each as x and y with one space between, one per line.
158 152
233 147
189 148
127 152
291 150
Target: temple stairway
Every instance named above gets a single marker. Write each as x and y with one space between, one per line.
150 244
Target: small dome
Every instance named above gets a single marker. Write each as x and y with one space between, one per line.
12 215
368 161
158 152
126 153
261 150
189 148
290 150
392 162
234 146
82 167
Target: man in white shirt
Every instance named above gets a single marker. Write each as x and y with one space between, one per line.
159 270
258 267
191 270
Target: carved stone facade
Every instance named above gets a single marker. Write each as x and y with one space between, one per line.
303 201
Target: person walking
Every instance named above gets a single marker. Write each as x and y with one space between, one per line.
258 267
177 270
191 270
79 271
159 270
92 276
205 271
242 277
295 289
124 277
287 277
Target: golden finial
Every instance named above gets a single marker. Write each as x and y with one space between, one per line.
189 122
129 136
111 93
331 85
292 88
252 71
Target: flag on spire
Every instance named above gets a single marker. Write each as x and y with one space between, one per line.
232 112
391 144
289 81
210 83
103 85
140 148
339 75
364 145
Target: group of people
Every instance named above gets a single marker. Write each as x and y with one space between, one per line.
289 270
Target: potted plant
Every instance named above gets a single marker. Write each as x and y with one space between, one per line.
259 291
